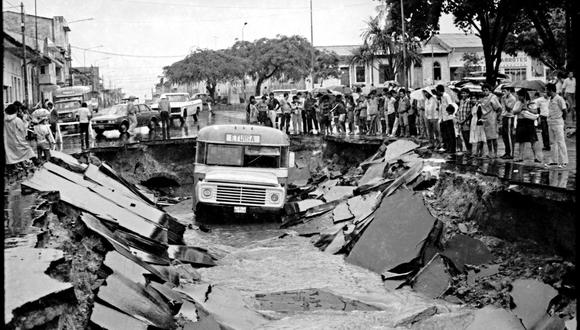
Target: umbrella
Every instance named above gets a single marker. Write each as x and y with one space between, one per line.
341 89
321 90
418 94
535 85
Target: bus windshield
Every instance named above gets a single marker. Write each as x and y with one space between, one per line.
242 156
70 105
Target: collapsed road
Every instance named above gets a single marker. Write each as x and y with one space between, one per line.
395 240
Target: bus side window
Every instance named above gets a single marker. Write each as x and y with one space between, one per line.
200 153
284 157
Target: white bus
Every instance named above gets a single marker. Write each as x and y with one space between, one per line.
242 168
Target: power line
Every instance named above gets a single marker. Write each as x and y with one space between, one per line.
128 55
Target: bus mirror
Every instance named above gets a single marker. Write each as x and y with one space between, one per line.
291 157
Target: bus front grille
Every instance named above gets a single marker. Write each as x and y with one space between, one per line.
241 195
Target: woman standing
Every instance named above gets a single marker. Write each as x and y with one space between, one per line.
525 130
476 131
490 106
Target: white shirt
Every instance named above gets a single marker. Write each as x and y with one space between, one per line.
431 111
84 115
391 105
43 133
569 85
543 105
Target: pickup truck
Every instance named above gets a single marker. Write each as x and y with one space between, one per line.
181 106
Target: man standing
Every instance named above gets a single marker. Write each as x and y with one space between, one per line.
273 106
310 113
432 116
132 114
557 106
391 113
262 110
84 117
53 117
403 110
464 120
302 119
164 109
542 104
286 112
569 90
508 101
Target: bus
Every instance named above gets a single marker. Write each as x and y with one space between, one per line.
67 101
240 168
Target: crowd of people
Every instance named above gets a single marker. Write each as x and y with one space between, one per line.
469 124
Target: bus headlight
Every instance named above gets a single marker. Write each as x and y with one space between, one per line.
274 197
206 192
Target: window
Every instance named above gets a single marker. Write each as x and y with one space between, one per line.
43 69
221 154
360 74
436 71
382 73
516 74
243 156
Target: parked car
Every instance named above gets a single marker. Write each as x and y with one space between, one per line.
117 118
205 98
181 106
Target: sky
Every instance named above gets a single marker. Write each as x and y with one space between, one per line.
132 40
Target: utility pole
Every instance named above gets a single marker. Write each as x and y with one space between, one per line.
312 50
404 50
25 70
35 25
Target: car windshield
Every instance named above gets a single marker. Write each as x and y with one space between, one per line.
119 109
177 98
67 105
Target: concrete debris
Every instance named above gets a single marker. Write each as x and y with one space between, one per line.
296 301
314 225
109 318
362 206
494 318
298 177
406 177
433 279
326 185
462 250
124 266
137 189
136 300
417 317
67 161
189 312
342 213
337 193
473 276
174 298
395 237
571 324
531 299
398 148
223 305
301 206
190 254
24 269
373 174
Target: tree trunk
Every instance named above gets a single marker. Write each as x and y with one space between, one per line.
258 90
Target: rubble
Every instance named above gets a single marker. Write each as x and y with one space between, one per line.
462 250
531 299
434 279
109 318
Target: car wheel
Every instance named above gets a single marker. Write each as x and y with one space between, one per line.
124 128
99 131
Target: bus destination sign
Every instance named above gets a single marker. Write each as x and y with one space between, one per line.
242 138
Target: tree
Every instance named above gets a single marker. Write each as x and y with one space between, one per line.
422 17
204 65
492 20
471 63
283 57
325 65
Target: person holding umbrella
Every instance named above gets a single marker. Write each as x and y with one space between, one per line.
525 130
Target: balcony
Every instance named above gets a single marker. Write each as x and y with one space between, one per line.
47 79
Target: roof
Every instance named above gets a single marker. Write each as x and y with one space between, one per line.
459 40
268 135
344 50
436 49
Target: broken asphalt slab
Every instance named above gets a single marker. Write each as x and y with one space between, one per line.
337 193
190 254
531 299
24 269
295 301
395 236
109 318
463 250
433 279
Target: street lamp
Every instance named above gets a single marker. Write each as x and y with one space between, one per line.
85 54
243 26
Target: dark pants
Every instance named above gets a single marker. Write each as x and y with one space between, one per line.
448 134
285 122
545 132
304 123
412 124
465 136
84 130
391 118
507 134
311 120
165 124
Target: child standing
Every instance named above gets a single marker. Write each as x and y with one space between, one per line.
44 139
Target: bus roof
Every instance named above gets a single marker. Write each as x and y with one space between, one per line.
267 135
71 91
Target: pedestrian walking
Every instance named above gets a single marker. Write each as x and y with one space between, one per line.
557 107
508 101
569 90
44 140
84 116
464 121
490 106
164 109
525 130
16 147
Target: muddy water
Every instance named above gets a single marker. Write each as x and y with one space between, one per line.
255 260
